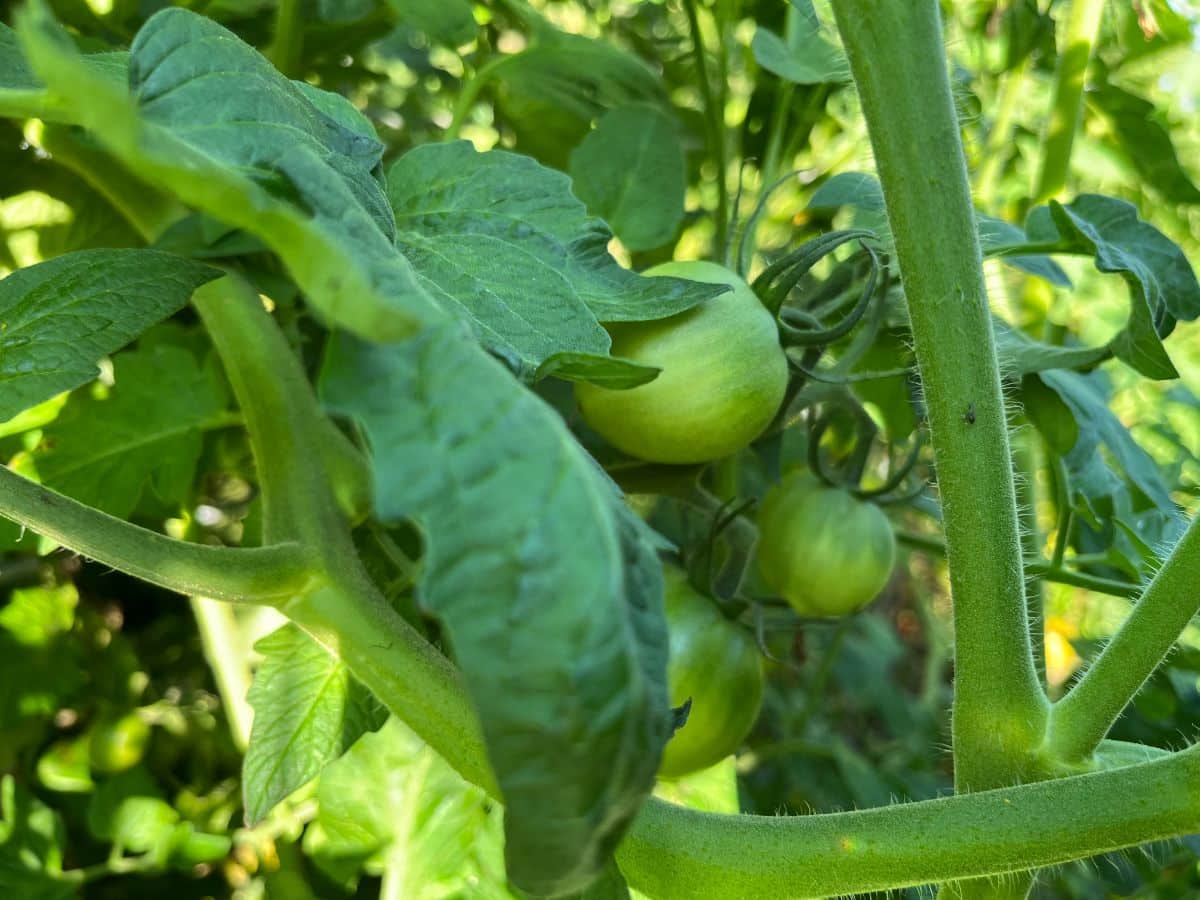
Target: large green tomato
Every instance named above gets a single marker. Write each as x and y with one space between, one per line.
717 665
825 551
722 380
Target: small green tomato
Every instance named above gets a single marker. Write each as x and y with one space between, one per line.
825 551
716 664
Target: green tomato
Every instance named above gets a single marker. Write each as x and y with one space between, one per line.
716 664
722 380
117 744
825 551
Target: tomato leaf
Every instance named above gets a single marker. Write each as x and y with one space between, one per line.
32 839
502 237
59 318
106 447
541 578
391 802
806 54
629 171
308 711
1162 285
262 154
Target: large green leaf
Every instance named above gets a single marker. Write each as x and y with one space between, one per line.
59 318
259 154
550 596
629 171
503 237
392 805
1162 285
308 711
109 445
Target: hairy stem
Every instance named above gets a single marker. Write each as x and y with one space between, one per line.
255 575
1082 718
999 706
1074 54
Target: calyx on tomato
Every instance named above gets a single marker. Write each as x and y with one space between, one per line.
825 551
715 664
722 380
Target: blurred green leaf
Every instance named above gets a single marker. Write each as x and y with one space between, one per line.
1145 141
806 54
629 171
31 846
551 92
448 22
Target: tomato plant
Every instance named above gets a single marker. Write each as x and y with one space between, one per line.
400 401
825 551
722 377
716 669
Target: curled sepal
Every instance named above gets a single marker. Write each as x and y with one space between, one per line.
548 589
776 280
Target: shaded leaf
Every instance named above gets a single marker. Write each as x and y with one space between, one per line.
1162 285
551 92
308 710
108 445
607 371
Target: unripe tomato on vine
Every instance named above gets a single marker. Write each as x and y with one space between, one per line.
714 663
722 381
822 549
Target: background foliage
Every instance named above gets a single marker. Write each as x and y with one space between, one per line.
615 101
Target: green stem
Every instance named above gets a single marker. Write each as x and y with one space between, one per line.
224 649
280 412
256 575
714 118
999 706
1110 586
673 852
288 43
1083 717
1041 569
1074 55
469 92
